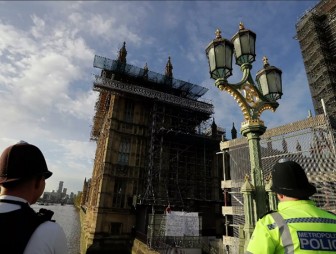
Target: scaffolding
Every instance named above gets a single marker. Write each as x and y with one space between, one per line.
175 112
182 88
153 86
316 32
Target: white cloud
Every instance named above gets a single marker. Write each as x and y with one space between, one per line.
38 97
82 108
98 25
38 28
70 161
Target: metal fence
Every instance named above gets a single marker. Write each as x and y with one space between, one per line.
310 142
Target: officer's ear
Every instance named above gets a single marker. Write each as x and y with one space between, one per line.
280 196
38 181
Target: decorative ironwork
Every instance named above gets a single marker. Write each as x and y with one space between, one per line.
250 100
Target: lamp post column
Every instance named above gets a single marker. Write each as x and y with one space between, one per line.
252 98
252 130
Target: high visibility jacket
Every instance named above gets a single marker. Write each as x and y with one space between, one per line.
297 227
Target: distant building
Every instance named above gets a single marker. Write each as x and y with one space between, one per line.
64 192
60 187
59 196
316 33
50 197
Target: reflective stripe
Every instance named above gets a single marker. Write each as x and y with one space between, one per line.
284 233
311 220
304 220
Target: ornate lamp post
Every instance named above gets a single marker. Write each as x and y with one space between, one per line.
252 98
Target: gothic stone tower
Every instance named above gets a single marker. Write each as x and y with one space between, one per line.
151 154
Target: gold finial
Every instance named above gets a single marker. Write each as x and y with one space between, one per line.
218 33
265 61
247 178
241 26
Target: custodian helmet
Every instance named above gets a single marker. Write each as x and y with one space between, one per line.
20 161
290 179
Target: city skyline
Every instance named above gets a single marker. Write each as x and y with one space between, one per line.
60 188
47 50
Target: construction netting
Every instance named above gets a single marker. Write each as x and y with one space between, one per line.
174 229
192 91
309 142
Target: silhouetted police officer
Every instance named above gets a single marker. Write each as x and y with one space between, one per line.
298 226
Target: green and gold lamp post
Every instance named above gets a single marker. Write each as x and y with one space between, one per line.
252 97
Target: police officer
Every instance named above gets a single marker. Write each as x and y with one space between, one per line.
23 171
298 226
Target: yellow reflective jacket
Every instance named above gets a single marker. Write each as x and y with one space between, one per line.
297 227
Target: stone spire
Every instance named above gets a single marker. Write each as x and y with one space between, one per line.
146 67
233 132
169 69
213 128
122 53
145 74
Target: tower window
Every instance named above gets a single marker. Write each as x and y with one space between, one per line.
119 192
124 150
129 111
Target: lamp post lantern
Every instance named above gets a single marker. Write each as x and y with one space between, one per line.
252 97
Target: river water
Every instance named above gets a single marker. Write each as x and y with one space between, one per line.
68 217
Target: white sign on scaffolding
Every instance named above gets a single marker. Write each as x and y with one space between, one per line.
182 224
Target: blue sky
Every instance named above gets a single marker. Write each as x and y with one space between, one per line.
47 50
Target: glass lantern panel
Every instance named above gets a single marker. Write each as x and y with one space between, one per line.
278 82
245 43
237 47
212 59
220 56
252 45
228 56
274 81
264 84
